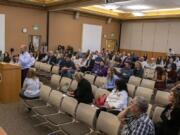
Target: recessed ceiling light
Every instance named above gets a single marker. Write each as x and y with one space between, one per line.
137 13
138 7
111 6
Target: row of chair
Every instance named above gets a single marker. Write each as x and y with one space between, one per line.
98 81
70 117
64 112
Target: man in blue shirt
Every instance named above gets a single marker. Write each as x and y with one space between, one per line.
24 62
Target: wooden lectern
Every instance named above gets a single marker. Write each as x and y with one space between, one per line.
10 82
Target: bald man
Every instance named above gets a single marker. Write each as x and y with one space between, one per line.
24 62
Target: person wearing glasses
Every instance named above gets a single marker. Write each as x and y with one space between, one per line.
170 124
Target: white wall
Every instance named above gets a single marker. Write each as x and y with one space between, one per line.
2 32
155 36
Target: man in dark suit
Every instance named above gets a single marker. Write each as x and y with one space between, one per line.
51 59
83 93
89 64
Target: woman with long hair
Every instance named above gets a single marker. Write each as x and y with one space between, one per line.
31 86
117 100
160 78
170 124
111 78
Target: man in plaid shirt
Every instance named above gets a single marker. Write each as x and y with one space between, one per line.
134 120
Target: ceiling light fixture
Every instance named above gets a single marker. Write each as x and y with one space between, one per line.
138 7
111 6
138 13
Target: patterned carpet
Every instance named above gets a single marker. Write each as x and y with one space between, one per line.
16 121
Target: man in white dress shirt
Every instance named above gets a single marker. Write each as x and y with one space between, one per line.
25 62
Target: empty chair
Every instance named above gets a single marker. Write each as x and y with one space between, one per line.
100 81
73 85
101 92
148 83
37 65
94 89
131 89
107 123
149 109
85 119
157 114
134 80
161 98
144 92
53 105
67 112
149 73
45 67
44 96
65 84
55 70
55 80
90 78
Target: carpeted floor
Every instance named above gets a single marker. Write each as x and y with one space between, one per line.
16 121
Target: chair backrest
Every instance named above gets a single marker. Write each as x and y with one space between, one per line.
161 98
90 78
65 84
55 98
131 89
73 85
45 92
101 92
134 80
100 81
45 67
37 65
69 105
86 114
144 92
129 100
94 89
149 73
149 109
55 80
108 123
55 70
157 114
148 83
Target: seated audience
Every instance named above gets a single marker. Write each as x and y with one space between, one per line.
160 78
117 100
138 70
172 74
151 63
67 68
51 58
1 56
134 119
100 69
89 64
7 58
83 93
111 79
170 124
31 86
126 72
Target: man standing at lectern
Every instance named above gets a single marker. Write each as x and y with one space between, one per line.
24 62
